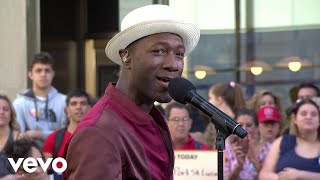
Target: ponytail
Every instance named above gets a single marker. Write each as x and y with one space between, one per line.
231 93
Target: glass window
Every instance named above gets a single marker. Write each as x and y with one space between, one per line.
273 32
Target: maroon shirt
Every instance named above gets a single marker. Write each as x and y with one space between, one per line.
118 140
191 145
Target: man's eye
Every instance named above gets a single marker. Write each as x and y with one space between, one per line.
84 103
180 55
160 51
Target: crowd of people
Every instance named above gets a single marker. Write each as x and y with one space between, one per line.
125 136
39 122
274 148
279 145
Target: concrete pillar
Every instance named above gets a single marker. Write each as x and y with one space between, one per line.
19 20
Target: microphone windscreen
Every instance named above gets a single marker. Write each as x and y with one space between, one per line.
179 88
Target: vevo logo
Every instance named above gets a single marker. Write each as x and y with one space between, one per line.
30 164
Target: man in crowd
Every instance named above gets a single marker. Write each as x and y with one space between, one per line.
307 91
179 123
40 110
124 136
78 104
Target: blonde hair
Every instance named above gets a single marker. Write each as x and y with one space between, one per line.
13 124
231 93
253 103
210 135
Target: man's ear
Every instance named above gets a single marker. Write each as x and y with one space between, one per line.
125 58
30 75
66 111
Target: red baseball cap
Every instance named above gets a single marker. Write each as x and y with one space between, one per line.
268 113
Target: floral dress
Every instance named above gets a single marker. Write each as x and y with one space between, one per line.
248 171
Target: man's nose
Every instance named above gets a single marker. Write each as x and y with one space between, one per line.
181 123
42 72
171 63
78 105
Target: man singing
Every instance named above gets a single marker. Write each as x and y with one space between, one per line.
124 136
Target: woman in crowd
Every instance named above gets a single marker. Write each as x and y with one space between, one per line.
228 97
243 158
9 127
296 155
267 98
9 132
264 98
269 119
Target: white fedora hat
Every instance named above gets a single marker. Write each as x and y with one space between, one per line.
148 20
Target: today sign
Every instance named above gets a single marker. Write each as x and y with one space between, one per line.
30 164
200 165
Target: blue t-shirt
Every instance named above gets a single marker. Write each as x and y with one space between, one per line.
289 157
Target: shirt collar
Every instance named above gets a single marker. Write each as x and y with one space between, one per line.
121 103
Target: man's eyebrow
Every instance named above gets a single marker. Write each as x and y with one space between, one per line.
42 68
160 43
165 43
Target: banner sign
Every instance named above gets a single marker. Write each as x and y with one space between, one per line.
199 165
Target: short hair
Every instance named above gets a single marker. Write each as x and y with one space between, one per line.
169 107
21 148
248 112
42 58
78 93
308 85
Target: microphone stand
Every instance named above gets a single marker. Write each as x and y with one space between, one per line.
222 134
220 146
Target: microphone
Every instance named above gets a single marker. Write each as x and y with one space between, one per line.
183 91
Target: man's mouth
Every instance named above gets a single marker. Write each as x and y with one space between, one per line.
164 79
79 113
